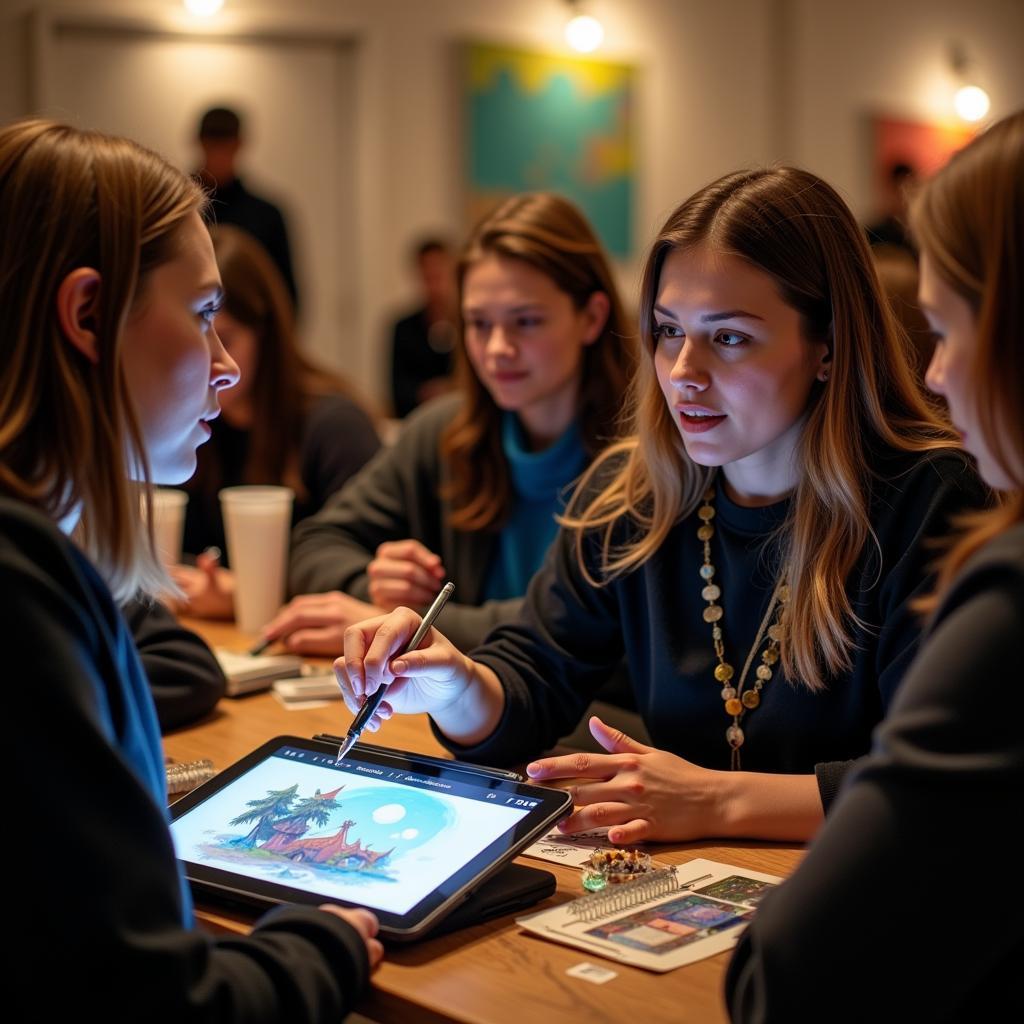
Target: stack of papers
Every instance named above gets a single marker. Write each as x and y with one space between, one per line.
248 674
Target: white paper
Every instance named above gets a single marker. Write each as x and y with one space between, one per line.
574 850
669 931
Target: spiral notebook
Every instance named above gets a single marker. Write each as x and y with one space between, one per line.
664 920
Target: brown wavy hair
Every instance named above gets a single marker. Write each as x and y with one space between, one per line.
70 199
794 227
969 219
285 383
550 234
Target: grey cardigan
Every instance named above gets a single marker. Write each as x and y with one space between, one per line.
394 497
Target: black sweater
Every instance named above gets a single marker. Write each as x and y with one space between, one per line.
571 634
97 912
906 908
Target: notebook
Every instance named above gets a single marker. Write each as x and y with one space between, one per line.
246 673
664 920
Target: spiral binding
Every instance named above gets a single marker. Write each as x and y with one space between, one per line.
659 882
185 775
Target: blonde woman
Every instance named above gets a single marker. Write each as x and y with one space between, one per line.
112 372
753 549
927 822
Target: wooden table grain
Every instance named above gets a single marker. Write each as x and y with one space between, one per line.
493 973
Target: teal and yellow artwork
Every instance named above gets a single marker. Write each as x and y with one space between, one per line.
535 121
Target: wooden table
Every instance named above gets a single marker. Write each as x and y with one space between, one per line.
493 973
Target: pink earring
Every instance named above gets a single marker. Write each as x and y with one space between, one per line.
823 376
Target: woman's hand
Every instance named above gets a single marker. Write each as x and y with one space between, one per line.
315 623
641 792
366 924
463 697
427 679
404 572
209 590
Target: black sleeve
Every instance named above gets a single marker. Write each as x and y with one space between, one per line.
899 911
340 439
97 875
184 677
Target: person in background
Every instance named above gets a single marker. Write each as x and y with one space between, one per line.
890 229
423 343
112 370
471 488
288 421
929 822
221 139
753 546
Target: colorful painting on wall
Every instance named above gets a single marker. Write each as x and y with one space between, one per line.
537 121
918 145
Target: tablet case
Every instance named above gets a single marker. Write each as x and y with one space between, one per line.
512 889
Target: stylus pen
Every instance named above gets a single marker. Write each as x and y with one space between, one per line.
372 702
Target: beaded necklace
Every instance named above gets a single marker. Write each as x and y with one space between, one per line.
737 700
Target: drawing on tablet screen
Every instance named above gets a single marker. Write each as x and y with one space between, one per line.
331 832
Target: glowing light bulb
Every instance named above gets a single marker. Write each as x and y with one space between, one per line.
584 33
971 103
203 8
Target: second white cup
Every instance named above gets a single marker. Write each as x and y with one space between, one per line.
169 523
257 524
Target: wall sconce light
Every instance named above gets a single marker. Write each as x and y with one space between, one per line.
203 8
582 32
970 102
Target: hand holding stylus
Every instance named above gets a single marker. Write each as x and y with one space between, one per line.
378 652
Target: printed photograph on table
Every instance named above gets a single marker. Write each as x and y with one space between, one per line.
670 925
535 121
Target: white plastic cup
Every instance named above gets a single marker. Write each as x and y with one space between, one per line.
169 523
257 522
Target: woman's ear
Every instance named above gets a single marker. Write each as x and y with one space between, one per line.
596 310
824 370
78 311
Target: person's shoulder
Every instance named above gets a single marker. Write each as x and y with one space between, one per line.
337 411
903 475
430 418
1003 554
32 547
28 532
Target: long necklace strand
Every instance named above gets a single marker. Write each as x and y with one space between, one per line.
737 700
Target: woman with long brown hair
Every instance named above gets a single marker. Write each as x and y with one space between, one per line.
112 373
899 912
753 547
288 421
471 489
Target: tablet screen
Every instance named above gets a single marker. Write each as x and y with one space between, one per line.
375 830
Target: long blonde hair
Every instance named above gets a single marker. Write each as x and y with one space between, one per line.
794 227
68 427
969 219
549 234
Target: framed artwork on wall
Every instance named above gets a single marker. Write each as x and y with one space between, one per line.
536 121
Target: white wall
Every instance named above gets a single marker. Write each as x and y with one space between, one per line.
723 83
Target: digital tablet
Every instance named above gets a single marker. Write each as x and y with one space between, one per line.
409 838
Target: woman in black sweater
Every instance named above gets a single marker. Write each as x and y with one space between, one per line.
753 548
